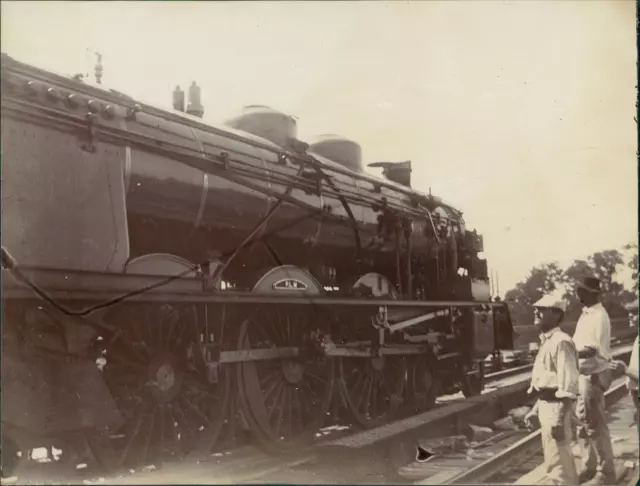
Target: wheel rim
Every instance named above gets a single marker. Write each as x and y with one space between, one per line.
168 406
285 400
372 388
422 386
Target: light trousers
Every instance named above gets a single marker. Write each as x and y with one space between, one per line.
595 439
559 465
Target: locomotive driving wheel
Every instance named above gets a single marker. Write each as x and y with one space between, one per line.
286 399
372 388
423 385
168 405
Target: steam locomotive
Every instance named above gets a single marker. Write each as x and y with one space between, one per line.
167 282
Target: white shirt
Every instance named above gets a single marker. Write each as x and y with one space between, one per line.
633 367
556 365
594 329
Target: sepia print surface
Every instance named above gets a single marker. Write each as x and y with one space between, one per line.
319 242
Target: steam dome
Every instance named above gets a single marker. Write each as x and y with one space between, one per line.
340 150
267 123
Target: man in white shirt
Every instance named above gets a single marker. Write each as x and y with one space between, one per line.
554 380
592 339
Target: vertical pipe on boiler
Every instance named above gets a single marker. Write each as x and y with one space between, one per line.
409 276
398 273
178 99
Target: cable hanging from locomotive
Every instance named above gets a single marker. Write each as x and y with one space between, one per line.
174 348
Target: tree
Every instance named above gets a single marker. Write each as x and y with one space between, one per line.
546 278
542 280
633 265
603 265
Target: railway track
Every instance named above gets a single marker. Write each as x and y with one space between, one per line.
377 455
516 459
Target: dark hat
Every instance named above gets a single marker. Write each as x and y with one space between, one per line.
590 284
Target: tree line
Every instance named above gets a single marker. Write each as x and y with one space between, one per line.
549 277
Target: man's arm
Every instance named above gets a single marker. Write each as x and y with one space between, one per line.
632 369
528 418
587 352
604 336
567 370
567 376
583 337
599 336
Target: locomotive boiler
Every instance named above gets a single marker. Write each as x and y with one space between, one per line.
166 278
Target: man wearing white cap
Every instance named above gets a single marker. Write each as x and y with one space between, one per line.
554 380
592 338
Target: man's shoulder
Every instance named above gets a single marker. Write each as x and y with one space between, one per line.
634 349
601 311
560 336
597 311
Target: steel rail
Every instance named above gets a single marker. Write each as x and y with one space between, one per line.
463 407
528 445
496 375
397 439
262 464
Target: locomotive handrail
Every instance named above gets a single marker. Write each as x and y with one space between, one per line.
185 310
89 285
196 161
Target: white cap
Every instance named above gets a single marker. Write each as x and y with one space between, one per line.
552 301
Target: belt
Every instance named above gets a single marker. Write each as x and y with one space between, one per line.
547 395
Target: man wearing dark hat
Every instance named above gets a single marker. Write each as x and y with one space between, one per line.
592 339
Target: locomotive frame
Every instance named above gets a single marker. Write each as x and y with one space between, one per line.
185 349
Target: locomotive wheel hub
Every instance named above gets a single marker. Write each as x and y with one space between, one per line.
292 371
378 363
165 378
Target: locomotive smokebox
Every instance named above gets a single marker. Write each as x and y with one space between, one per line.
340 150
195 107
266 123
178 99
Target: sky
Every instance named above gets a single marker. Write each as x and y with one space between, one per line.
519 113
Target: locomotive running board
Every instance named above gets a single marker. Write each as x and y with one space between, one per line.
83 285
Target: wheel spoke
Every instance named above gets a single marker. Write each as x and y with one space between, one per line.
423 387
194 410
161 388
283 399
369 388
277 385
131 438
